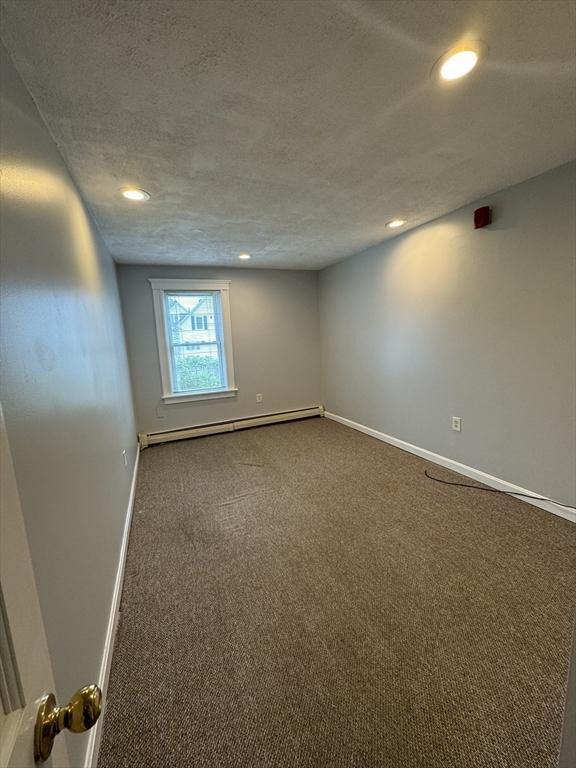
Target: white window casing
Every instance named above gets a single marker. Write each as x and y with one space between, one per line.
160 288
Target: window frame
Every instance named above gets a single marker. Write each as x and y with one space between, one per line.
163 286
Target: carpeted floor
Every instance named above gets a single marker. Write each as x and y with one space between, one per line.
301 595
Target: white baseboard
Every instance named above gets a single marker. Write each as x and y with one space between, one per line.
463 469
95 733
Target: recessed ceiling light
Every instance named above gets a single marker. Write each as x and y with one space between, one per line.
133 193
245 256
460 61
395 223
458 65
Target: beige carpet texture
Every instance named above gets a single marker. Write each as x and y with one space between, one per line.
302 595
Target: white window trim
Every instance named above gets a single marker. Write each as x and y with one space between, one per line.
159 287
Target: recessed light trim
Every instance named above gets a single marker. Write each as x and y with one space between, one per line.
395 223
245 256
135 194
460 60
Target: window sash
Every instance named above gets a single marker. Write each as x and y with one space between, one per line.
218 341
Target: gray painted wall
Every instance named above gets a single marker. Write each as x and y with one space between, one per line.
446 320
275 339
65 391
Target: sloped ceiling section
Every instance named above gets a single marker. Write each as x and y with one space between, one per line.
290 129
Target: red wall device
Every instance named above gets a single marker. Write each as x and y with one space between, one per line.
482 217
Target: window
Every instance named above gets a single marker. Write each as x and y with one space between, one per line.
194 339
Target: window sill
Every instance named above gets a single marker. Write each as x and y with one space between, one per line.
189 397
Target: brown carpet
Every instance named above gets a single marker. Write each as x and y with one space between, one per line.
301 595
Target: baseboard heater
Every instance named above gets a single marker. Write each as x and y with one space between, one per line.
152 438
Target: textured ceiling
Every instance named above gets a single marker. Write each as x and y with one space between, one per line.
293 129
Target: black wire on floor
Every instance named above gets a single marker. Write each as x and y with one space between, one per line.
495 490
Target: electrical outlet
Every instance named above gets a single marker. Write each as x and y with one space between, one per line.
258 398
456 423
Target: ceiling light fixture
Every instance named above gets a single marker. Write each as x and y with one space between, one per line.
395 223
244 256
133 193
458 65
459 61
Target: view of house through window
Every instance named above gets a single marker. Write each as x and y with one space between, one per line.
194 330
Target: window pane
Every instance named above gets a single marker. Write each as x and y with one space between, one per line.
196 367
194 335
188 317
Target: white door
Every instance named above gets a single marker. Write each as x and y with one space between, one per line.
25 664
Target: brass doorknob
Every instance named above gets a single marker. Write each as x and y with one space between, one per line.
80 714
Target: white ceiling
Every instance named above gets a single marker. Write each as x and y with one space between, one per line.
292 129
